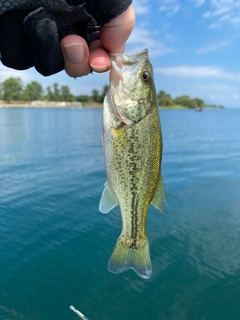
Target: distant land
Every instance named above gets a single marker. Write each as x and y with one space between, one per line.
65 104
13 93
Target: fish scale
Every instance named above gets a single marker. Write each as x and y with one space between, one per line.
132 143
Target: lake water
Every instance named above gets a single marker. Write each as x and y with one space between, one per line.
55 244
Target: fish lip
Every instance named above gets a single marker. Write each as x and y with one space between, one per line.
131 55
122 60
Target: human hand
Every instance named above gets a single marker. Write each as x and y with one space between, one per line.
80 59
30 31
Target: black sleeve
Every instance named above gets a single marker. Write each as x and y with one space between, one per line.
31 30
105 10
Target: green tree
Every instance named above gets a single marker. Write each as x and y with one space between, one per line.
56 92
66 94
96 97
1 91
164 99
12 89
49 95
33 91
199 102
191 104
53 93
165 102
182 100
163 94
104 92
82 98
186 101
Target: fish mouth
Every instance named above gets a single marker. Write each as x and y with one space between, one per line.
121 59
122 99
123 62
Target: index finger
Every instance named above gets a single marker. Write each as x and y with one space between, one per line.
114 34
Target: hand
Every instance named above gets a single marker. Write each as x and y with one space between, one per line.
79 59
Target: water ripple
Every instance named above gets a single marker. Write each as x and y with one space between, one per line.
55 244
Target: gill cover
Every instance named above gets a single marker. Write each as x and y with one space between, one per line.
131 86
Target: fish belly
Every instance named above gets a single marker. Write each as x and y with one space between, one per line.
133 159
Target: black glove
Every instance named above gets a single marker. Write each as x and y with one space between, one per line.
30 35
31 30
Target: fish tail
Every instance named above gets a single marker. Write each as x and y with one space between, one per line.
131 254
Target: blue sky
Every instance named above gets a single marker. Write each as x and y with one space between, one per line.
194 47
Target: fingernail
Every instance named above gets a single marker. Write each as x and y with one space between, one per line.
74 52
99 68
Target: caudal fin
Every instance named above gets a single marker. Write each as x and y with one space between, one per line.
130 255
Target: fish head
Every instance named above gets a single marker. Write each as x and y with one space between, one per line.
132 90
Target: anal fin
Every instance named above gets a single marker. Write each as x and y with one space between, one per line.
159 198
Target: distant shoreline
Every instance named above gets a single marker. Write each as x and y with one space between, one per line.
78 105
47 104
57 106
37 107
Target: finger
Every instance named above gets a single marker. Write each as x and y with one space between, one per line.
12 36
42 39
76 55
99 59
114 34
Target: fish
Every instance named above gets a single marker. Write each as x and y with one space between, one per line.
132 146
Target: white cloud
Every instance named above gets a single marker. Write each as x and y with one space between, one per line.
170 37
141 38
213 47
236 96
223 12
198 3
199 72
141 7
6 73
169 6
219 93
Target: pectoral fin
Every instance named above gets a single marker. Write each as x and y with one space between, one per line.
107 202
159 198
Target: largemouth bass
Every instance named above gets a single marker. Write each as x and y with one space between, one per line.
132 143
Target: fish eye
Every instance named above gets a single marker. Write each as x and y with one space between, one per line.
146 76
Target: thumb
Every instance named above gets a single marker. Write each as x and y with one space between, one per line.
114 34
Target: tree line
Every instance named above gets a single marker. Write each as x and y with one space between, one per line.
13 89
165 100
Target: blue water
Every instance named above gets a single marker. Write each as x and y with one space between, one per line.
55 245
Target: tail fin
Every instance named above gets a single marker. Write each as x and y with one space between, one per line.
127 255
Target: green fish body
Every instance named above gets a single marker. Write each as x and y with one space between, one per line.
132 143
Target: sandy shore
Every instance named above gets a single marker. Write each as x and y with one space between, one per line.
39 104
48 104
